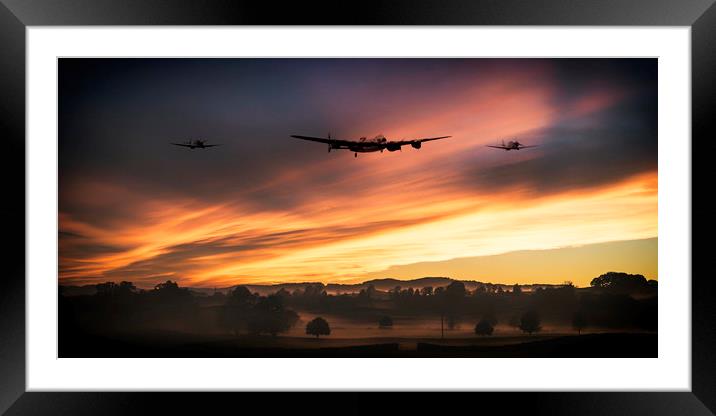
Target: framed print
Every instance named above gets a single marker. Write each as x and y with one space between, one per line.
233 278
489 198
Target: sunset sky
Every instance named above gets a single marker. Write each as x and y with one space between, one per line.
266 208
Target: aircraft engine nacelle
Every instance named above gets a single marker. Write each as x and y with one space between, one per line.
416 145
393 148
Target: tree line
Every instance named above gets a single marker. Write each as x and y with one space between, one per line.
614 300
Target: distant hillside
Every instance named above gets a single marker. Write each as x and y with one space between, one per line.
383 285
522 266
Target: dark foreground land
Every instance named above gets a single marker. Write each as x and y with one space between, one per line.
608 345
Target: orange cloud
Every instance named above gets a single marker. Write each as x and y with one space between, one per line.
223 245
343 219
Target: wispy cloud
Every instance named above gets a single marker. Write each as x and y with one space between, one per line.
264 207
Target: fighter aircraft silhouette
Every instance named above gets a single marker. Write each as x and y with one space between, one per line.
363 145
511 145
196 144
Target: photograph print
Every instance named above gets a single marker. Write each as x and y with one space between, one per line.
357 207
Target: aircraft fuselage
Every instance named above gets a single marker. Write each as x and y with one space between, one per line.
364 145
511 145
195 144
366 148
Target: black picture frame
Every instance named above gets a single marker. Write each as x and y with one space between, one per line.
16 15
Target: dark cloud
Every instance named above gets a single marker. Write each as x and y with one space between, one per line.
117 117
76 245
575 78
68 234
117 170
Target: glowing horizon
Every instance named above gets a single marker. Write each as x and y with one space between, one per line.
265 208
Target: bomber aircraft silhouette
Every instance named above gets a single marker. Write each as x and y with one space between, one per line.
196 144
363 145
511 145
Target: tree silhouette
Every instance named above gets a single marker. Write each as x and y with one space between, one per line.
119 310
484 327
318 327
170 293
238 309
168 285
455 290
368 293
241 298
454 297
516 289
105 289
530 322
283 293
579 322
113 289
385 322
270 316
617 282
314 290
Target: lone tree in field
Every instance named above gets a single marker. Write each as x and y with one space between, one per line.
530 322
385 322
318 327
452 300
484 327
579 322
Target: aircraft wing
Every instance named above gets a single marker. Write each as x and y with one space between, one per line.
325 140
404 142
498 147
525 147
182 144
211 145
